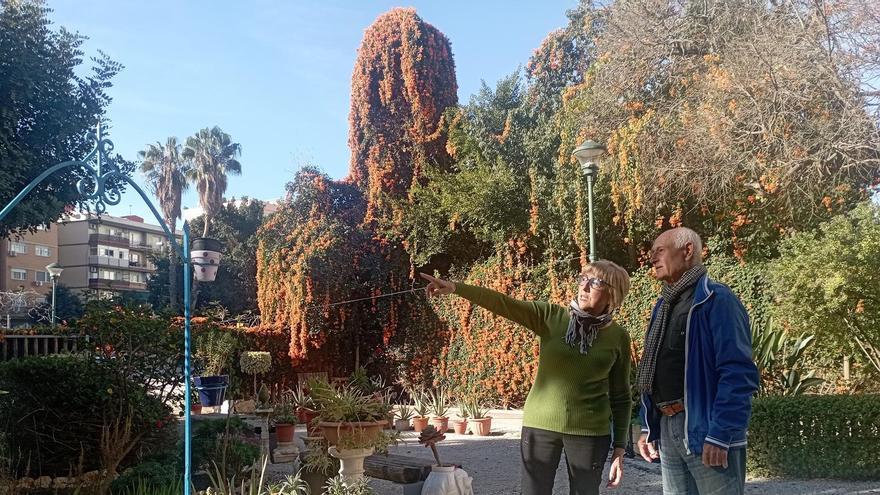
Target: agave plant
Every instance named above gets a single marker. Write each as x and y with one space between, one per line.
779 357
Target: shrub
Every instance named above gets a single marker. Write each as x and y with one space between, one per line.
230 444
56 408
811 436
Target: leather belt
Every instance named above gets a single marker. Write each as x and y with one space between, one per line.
671 408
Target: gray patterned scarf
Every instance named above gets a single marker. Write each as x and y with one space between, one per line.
583 327
669 295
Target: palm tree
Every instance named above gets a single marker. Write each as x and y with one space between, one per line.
213 156
165 172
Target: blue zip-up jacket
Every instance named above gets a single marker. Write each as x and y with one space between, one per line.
720 376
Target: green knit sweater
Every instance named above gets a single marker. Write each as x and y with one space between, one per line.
573 393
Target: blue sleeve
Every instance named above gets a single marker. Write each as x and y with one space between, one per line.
737 373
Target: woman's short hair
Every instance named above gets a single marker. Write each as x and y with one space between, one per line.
614 275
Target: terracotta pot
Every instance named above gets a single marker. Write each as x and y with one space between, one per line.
285 432
195 408
332 431
305 416
481 427
419 424
442 424
459 425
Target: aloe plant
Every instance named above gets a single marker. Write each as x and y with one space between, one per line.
420 402
439 403
405 412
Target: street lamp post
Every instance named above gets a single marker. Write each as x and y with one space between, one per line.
102 186
586 155
54 270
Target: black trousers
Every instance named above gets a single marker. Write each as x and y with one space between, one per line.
584 456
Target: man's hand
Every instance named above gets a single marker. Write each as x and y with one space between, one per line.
436 286
615 474
714 456
647 450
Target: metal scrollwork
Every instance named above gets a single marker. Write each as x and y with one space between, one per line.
98 185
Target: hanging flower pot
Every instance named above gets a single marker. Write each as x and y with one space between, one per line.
205 256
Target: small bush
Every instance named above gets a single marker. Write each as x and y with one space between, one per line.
812 436
56 407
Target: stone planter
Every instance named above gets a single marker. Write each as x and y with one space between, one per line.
401 424
351 461
448 480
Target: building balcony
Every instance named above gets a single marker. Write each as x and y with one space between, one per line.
104 283
108 261
108 240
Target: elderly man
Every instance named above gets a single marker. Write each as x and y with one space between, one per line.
696 376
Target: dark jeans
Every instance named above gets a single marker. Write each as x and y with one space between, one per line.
584 456
685 474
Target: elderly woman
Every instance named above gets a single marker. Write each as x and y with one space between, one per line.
582 385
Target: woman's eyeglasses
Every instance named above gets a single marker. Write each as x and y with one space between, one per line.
593 282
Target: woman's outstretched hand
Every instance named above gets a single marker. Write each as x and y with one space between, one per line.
437 286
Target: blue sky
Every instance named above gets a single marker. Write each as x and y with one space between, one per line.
275 75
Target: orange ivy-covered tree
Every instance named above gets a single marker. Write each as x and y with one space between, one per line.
403 80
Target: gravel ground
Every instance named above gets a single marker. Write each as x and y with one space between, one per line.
493 462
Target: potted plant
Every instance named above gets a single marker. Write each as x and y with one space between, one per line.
445 479
255 363
345 411
459 424
404 414
420 408
285 422
317 466
440 410
352 423
481 424
305 410
214 348
195 406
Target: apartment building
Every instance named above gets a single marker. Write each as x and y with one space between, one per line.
24 259
108 255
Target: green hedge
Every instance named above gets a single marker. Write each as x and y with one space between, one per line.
816 436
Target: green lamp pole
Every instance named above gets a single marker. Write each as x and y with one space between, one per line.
586 155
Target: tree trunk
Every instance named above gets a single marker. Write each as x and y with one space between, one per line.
173 298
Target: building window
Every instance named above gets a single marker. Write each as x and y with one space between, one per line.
109 252
93 251
17 247
18 274
108 275
42 276
41 251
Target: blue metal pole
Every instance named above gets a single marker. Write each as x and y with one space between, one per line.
187 439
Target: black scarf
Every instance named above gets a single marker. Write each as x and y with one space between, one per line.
583 327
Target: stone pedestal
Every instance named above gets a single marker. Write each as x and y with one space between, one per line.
351 461
285 452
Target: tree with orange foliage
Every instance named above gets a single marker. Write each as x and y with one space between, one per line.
403 80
